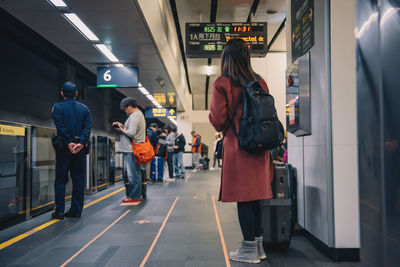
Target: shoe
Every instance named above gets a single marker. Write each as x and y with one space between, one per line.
183 176
194 170
170 179
57 215
132 200
177 176
261 251
72 215
212 169
248 253
159 181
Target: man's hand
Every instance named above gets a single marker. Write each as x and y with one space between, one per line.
71 147
77 148
118 126
176 147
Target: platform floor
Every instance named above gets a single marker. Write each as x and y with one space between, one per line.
176 226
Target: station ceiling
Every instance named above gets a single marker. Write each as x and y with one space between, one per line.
121 26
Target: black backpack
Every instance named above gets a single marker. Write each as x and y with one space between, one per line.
260 128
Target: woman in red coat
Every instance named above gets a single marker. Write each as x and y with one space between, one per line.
246 178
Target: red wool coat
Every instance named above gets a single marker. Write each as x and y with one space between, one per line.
245 177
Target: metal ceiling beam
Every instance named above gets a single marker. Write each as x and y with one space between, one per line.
276 35
253 10
179 33
213 18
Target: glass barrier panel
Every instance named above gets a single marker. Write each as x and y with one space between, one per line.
13 155
44 170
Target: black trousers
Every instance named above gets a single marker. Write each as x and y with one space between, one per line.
170 164
250 219
75 165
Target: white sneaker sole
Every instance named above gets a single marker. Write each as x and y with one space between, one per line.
246 261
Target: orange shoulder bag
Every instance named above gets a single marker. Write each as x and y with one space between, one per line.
144 152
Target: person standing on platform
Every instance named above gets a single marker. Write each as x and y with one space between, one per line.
246 177
196 150
73 122
170 153
217 144
153 138
134 130
180 143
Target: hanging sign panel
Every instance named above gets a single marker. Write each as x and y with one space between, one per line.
302 27
169 113
12 130
207 40
113 76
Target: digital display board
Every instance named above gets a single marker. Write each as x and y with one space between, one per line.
207 40
302 27
158 113
127 76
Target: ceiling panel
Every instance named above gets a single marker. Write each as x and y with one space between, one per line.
118 24
233 10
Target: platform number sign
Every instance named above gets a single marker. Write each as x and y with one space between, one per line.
117 76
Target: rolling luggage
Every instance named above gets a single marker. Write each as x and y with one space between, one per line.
205 164
278 213
157 169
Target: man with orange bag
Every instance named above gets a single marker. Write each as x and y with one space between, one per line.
196 150
134 130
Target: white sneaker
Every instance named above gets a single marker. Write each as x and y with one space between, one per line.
169 179
194 170
212 169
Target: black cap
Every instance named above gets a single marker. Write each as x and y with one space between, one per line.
68 87
153 125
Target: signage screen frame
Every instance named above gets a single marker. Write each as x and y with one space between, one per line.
118 77
214 36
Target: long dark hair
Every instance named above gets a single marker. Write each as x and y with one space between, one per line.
235 62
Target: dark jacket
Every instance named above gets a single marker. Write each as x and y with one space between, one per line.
73 121
180 142
153 138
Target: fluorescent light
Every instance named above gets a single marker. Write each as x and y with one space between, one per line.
140 85
119 65
78 23
209 70
143 90
58 3
103 49
150 97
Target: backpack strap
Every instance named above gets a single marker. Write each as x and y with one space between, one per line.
231 120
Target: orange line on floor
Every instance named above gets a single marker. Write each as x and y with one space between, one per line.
221 235
43 226
94 239
158 234
187 178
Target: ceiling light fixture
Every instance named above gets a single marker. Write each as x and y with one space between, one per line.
209 70
58 3
119 65
78 23
106 52
143 90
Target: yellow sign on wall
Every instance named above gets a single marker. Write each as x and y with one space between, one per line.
12 130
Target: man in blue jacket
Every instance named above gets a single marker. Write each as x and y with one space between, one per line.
153 139
73 122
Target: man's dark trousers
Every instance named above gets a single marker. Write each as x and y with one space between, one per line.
75 164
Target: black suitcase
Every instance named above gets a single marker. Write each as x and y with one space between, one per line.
277 214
